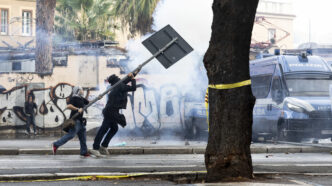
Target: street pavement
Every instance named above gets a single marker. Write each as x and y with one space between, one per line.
283 168
157 160
271 180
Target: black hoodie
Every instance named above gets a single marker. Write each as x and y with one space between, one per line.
117 98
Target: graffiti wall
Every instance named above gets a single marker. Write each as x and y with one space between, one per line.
151 108
148 109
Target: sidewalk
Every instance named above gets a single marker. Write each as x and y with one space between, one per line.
42 146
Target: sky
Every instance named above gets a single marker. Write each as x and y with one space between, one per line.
316 12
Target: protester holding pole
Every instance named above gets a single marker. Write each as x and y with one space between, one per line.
117 99
168 47
76 104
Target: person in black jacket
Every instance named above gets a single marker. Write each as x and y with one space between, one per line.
29 107
117 99
76 104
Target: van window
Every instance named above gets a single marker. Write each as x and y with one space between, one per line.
261 70
261 85
277 93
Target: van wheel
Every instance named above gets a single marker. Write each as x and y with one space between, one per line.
281 135
191 130
284 135
254 137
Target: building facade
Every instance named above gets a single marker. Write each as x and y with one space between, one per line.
273 26
17 23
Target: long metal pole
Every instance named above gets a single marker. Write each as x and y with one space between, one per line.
134 72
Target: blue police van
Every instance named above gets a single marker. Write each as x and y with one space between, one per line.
292 97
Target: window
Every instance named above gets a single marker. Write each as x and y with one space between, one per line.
16 66
277 91
272 35
261 85
3 21
26 22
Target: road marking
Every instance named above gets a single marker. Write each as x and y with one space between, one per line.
300 183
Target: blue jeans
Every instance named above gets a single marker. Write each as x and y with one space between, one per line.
108 127
80 130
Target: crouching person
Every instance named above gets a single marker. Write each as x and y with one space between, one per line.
75 104
117 99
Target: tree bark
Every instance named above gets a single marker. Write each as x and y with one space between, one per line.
44 30
227 155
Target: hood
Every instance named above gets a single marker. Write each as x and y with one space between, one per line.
113 79
76 91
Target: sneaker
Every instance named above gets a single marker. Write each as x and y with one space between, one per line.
54 148
95 153
27 133
104 151
85 155
35 133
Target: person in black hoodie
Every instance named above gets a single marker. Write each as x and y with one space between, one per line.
29 107
117 99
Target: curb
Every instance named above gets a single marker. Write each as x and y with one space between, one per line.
163 150
48 177
174 176
8 151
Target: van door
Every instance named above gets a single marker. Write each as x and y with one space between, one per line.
277 95
261 77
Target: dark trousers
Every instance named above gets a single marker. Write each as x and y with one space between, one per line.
108 127
31 121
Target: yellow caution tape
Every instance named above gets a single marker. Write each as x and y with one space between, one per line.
79 178
96 177
222 87
231 86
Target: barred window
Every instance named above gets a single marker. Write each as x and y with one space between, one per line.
4 21
26 22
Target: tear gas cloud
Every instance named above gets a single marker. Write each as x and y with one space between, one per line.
194 25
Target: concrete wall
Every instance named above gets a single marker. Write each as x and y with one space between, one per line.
15 7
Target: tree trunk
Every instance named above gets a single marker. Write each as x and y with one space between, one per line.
44 24
227 154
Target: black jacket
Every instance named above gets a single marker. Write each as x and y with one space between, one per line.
78 102
29 107
117 98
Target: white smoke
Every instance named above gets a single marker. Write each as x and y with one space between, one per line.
192 19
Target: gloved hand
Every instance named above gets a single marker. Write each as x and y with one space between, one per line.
123 125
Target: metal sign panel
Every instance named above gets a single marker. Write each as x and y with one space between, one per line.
172 54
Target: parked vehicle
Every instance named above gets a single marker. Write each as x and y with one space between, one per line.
292 97
195 120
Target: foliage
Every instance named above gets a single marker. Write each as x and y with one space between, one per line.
84 20
137 14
